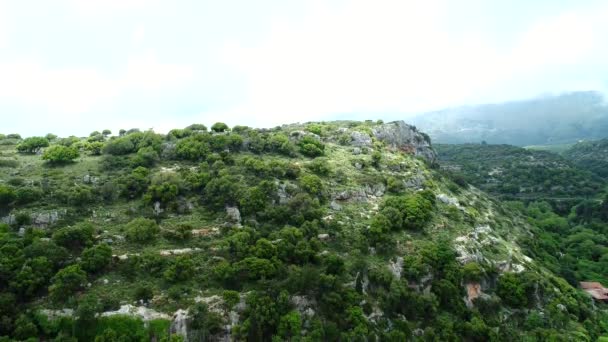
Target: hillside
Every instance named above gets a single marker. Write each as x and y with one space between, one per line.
590 155
307 232
547 120
516 173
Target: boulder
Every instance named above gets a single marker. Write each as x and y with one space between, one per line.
360 139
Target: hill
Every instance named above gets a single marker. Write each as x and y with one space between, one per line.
548 120
307 232
590 155
512 172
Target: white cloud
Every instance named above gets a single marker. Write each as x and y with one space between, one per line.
73 91
96 7
398 56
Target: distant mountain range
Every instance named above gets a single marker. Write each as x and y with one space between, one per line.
560 119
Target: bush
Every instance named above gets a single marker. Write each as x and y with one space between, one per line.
472 272
32 144
311 147
28 195
320 166
96 258
119 146
312 184
181 269
7 195
141 230
144 293
74 238
67 281
60 154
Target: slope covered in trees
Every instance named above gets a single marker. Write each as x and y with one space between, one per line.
313 232
590 155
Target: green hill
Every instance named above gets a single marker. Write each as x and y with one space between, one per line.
331 231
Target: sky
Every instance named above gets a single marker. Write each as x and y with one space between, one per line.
72 66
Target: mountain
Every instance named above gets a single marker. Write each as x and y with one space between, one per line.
548 120
326 231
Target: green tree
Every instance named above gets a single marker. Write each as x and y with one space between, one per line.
220 127
32 144
96 258
141 230
290 325
74 237
182 268
67 281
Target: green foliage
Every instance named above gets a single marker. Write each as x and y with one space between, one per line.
96 258
472 271
67 281
182 268
32 144
311 147
312 184
59 154
75 237
7 195
219 127
141 230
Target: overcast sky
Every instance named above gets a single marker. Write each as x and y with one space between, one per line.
74 66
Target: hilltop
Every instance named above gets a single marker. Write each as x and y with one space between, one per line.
320 231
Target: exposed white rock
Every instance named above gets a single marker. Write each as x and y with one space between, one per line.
233 214
396 267
169 252
142 312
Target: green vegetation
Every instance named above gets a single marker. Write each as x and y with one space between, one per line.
286 234
514 172
590 155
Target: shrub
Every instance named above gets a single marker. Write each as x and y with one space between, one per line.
96 258
144 293
472 272
32 144
181 269
311 147
119 146
7 195
320 166
67 281
74 238
312 184
141 230
60 154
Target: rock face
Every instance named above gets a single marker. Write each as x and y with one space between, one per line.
360 139
179 324
402 136
233 214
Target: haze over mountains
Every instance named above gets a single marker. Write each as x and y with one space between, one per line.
559 119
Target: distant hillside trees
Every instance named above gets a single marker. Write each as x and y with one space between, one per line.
32 144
